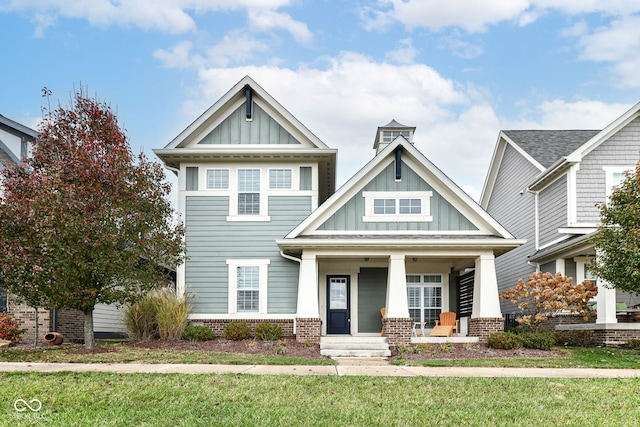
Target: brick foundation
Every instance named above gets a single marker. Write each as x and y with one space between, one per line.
217 325
308 330
397 330
482 327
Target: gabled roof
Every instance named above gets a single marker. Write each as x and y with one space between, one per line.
490 234
547 146
186 147
551 151
14 128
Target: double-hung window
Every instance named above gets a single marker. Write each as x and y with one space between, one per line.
248 285
614 175
248 191
3 300
424 295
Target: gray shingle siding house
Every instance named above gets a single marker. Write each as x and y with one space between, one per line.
544 186
269 238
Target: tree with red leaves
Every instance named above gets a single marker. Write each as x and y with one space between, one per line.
83 221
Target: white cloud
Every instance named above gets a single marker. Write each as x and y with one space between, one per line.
460 47
170 16
265 20
560 114
403 53
470 15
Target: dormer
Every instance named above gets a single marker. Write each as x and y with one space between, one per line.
388 133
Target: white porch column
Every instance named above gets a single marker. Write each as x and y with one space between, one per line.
606 300
308 288
397 304
486 303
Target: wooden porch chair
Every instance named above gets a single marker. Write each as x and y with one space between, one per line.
383 311
448 318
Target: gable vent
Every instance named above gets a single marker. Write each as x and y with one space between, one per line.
249 106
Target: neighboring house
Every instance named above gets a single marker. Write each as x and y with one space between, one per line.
544 186
269 239
15 143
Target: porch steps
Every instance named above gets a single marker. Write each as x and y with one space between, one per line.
354 346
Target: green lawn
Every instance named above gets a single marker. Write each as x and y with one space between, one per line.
105 399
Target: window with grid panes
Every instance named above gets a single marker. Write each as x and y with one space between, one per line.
424 296
280 178
248 285
217 179
248 191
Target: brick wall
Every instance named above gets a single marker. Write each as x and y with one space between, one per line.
308 330
217 325
397 330
70 323
482 327
615 336
25 316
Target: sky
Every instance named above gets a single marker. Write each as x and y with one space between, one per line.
458 70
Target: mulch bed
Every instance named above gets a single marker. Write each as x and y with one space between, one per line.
291 348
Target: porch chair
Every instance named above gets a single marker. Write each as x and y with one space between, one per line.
417 330
383 311
448 318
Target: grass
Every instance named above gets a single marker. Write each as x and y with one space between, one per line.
106 399
573 357
119 353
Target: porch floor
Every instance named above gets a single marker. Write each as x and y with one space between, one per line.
442 340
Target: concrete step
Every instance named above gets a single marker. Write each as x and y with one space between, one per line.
356 353
354 346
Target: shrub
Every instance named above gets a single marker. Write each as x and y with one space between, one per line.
634 343
9 328
236 331
172 313
575 338
140 320
541 340
160 313
504 340
197 333
268 331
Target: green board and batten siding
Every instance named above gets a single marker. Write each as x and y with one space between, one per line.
235 129
372 294
445 216
211 240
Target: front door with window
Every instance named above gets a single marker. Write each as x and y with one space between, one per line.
338 301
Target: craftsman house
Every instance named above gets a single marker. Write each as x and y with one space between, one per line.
544 186
270 239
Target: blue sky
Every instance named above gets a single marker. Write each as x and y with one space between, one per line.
460 71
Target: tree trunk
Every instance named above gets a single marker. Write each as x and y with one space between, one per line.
89 341
35 339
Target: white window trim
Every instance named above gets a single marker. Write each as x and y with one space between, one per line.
424 196
421 284
233 199
233 265
609 172
206 172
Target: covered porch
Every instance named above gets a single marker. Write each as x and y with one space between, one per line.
342 294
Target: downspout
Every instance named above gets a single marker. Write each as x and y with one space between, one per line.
399 149
299 261
54 320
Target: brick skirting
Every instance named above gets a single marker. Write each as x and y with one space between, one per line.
397 330
308 330
482 327
217 325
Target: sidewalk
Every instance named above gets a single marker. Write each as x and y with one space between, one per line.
345 367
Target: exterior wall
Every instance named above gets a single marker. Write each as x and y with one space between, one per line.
217 325
445 216
621 149
70 323
372 292
514 211
262 129
483 327
397 331
108 319
25 316
211 240
552 206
